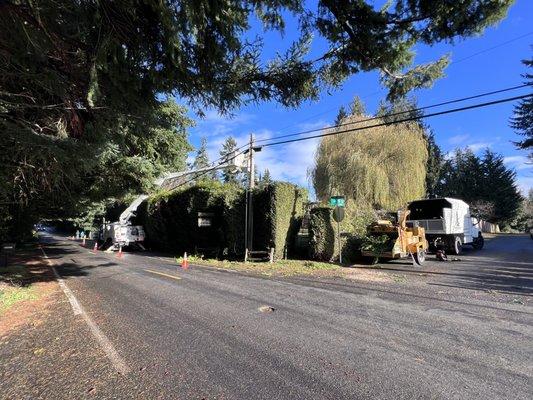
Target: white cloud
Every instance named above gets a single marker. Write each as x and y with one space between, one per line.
525 184
518 162
307 126
287 162
290 162
476 147
215 124
458 139
514 159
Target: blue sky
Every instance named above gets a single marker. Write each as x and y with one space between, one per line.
470 73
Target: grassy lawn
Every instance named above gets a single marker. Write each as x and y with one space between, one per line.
288 268
278 268
15 286
12 295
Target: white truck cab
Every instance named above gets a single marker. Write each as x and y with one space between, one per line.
114 235
447 222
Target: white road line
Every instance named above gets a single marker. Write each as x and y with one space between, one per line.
76 307
106 345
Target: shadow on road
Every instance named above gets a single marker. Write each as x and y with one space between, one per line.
504 266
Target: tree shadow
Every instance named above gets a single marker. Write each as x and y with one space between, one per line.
472 271
27 267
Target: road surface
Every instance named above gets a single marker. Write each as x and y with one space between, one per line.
457 330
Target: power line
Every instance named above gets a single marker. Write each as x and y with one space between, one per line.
415 118
492 48
225 160
412 118
452 63
399 112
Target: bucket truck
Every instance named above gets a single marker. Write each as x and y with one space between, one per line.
121 233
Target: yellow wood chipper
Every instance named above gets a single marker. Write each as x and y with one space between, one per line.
390 240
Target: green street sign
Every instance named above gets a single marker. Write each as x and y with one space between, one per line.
337 201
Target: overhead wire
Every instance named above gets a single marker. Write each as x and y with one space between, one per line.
415 110
398 121
413 118
486 50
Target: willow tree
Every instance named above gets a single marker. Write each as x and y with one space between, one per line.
380 168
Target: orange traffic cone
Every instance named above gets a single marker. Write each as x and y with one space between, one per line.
184 261
95 248
119 254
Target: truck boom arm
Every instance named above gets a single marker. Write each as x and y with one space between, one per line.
170 180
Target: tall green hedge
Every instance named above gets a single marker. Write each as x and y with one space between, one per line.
321 234
278 209
171 219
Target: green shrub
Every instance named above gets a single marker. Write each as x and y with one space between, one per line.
323 244
321 234
281 205
171 218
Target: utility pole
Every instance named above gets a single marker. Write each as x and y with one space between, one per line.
249 231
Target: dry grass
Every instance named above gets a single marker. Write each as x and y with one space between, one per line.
288 268
278 268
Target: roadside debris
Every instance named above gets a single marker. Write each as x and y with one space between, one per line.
266 309
441 255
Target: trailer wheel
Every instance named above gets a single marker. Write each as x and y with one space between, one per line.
478 243
457 246
420 256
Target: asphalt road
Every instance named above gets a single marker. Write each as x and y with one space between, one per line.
457 330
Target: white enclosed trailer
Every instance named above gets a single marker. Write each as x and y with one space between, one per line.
447 222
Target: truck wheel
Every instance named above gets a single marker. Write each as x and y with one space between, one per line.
478 243
457 247
420 256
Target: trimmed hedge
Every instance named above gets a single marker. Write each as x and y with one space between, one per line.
321 234
278 209
171 218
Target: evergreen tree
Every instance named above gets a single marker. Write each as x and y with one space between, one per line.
229 146
357 107
434 165
499 187
486 184
522 121
528 211
265 179
462 177
81 81
341 115
202 161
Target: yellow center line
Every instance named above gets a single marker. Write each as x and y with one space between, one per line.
163 274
